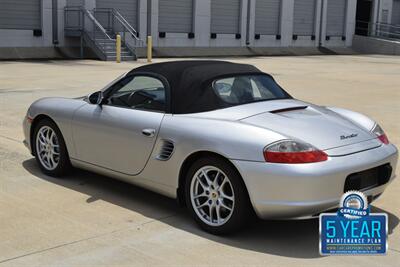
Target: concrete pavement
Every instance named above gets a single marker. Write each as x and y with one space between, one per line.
91 220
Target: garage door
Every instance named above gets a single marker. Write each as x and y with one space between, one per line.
336 17
175 16
127 8
267 17
73 16
396 12
75 2
225 16
20 14
304 17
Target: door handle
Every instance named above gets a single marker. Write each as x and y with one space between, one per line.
148 132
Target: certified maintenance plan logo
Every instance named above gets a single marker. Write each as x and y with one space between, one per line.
353 230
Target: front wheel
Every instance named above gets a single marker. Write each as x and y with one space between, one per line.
50 150
217 196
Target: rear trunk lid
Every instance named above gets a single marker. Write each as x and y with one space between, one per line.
317 126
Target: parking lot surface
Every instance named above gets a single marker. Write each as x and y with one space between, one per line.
91 220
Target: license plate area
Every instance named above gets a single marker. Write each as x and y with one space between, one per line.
368 179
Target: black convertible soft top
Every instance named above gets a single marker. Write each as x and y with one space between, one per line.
190 82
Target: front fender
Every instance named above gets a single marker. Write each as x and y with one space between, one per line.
61 111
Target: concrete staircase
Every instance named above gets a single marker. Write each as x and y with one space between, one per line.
102 39
110 51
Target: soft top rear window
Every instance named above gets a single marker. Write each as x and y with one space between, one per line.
243 89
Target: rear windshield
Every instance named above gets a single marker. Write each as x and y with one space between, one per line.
243 89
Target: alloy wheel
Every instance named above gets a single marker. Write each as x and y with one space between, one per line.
212 196
47 148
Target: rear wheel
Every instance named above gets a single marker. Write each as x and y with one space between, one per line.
216 196
50 150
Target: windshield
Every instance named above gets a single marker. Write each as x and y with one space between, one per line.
244 89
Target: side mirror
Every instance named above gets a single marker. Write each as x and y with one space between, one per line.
96 98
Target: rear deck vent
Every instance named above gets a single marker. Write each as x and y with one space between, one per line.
166 150
288 109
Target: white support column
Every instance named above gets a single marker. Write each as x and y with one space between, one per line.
243 22
375 16
375 7
60 14
154 22
317 21
286 23
252 28
47 23
350 21
202 22
142 19
324 20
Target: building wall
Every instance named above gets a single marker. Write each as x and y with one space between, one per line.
396 12
382 11
22 14
25 38
202 20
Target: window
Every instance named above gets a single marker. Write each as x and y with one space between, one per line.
385 16
248 88
138 92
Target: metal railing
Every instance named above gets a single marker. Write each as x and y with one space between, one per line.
100 27
94 27
114 22
380 30
80 19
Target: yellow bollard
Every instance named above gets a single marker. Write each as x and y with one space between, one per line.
118 48
149 48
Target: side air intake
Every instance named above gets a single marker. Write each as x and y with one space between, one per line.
166 150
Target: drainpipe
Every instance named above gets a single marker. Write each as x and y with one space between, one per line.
248 23
321 22
54 14
149 17
378 17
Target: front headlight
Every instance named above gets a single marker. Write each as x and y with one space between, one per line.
378 131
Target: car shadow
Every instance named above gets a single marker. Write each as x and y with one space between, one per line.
296 239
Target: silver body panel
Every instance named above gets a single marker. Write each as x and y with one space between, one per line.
304 190
108 140
112 137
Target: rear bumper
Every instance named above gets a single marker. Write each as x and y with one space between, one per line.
283 191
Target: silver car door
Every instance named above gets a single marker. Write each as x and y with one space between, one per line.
120 134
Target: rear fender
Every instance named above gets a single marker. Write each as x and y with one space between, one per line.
357 118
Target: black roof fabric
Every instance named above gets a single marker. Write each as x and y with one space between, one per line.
190 82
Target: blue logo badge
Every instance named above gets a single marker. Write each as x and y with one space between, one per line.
353 229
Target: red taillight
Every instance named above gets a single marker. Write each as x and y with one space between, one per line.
292 151
383 139
378 131
295 157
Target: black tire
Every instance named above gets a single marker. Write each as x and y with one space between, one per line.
64 165
242 211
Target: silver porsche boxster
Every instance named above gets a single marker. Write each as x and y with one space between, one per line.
224 139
